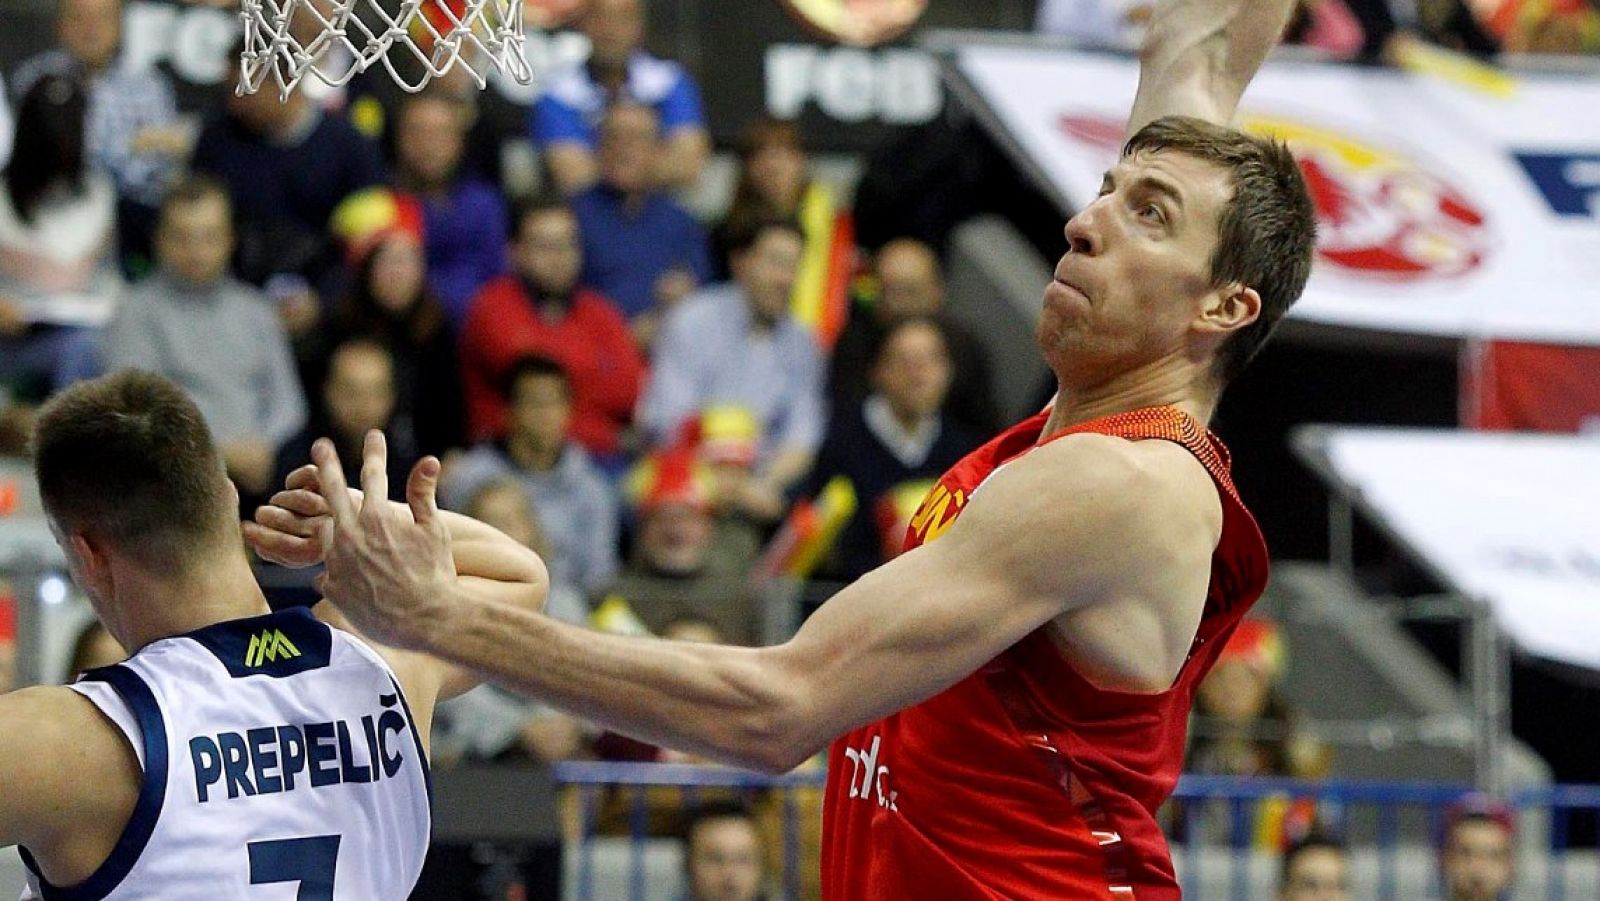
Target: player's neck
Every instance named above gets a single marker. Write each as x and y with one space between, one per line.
153 606
1166 382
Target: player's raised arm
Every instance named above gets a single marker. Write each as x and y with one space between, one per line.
1199 55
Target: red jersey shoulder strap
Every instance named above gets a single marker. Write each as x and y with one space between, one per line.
1168 424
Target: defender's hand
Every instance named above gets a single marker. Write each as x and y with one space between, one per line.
388 572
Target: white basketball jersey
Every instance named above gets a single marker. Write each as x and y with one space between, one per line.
281 763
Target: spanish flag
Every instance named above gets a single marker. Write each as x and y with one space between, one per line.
808 533
821 300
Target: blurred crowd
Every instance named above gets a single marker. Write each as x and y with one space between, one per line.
677 410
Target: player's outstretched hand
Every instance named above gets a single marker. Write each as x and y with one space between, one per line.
390 573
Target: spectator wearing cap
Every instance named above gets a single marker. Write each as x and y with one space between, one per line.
565 120
463 217
725 440
358 395
217 337
389 302
736 344
1315 868
910 282
675 572
541 310
569 494
892 444
640 248
1476 859
1243 725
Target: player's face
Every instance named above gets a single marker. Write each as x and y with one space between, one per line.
1477 862
1317 874
1136 275
195 240
724 861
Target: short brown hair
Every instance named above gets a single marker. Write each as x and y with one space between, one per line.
1266 233
128 458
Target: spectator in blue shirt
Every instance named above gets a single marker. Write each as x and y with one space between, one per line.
463 217
640 248
566 119
737 345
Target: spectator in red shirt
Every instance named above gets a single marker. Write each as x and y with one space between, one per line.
540 310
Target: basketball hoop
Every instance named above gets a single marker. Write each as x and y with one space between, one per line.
415 40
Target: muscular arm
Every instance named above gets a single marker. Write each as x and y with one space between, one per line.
1199 55
68 780
1082 521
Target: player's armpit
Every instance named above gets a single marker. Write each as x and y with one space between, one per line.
1082 520
68 780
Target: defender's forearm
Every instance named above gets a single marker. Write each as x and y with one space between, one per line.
724 702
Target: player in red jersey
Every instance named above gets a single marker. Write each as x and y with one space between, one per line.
1012 696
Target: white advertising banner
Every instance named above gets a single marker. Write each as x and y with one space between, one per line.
1444 208
1513 519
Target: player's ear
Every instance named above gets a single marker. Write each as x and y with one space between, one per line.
1228 309
93 563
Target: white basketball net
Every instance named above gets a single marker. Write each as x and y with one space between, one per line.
285 40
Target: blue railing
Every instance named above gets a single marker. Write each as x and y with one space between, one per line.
1215 824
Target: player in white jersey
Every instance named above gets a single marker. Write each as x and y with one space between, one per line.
239 753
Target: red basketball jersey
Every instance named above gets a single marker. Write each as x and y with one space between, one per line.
1024 780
